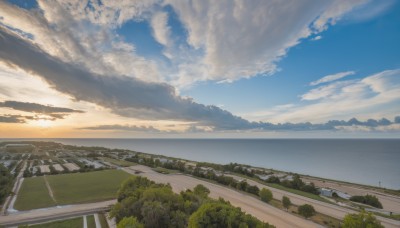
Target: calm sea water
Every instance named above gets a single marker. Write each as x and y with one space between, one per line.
364 161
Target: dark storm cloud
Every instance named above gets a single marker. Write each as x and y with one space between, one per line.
122 95
12 119
37 108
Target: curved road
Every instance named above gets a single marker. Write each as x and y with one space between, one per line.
251 205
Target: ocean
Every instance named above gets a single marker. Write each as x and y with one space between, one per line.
363 161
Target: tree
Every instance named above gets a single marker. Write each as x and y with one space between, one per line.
306 210
222 214
286 202
201 191
265 195
130 222
361 220
368 199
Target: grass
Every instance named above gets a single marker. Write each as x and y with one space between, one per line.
69 223
118 162
319 218
298 192
291 190
164 170
103 220
33 194
86 187
90 221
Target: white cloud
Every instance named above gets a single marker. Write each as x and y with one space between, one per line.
373 96
332 77
316 38
241 39
161 30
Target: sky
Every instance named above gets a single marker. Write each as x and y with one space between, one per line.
201 68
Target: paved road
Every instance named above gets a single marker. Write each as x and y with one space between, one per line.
42 215
251 205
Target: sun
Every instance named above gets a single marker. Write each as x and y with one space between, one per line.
43 123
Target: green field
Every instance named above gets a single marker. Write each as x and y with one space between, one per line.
33 194
86 187
70 189
90 221
118 162
70 223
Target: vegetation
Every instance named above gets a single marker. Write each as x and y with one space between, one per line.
86 187
286 202
103 220
6 181
141 201
368 199
306 210
221 214
33 194
70 223
90 221
118 162
130 222
265 195
361 220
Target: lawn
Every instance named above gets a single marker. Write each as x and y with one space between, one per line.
69 223
33 194
103 220
86 187
165 171
118 162
90 221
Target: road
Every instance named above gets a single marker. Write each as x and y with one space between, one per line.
42 215
251 205
17 185
389 202
324 208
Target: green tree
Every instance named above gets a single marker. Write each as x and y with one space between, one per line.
201 191
286 202
368 199
265 195
361 220
306 210
129 222
221 214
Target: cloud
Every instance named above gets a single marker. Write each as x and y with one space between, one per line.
372 96
332 77
12 119
222 44
352 124
117 127
122 95
38 108
236 45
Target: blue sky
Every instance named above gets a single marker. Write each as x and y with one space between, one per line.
201 67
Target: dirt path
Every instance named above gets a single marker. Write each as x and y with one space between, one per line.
49 189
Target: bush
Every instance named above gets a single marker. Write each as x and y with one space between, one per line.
265 195
286 202
362 219
368 199
306 210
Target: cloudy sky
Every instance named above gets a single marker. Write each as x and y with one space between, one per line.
201 68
